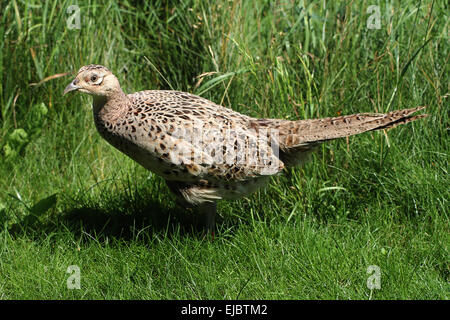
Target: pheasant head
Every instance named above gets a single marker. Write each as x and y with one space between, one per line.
96 80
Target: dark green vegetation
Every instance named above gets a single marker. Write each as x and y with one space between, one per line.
381 198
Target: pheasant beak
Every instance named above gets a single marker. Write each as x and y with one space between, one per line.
71 87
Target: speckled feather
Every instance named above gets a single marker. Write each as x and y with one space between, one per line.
158 128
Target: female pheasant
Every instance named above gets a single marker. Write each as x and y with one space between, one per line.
204 151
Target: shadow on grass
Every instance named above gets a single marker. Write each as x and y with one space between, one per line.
142 221
124 217
120 217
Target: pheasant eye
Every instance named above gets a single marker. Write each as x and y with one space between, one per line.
93 78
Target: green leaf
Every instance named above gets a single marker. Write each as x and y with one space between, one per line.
43 205
8 151
217 80
16 141
41 109
18 137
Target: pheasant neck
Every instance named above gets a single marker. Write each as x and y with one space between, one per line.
112 107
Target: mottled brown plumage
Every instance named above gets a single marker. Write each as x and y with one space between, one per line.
204 151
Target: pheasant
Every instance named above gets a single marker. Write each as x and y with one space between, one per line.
204 151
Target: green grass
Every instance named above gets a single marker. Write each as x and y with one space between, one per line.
68 198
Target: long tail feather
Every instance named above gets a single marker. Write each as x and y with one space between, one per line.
317 130
298 138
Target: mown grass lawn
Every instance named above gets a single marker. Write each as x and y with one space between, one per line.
379 199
